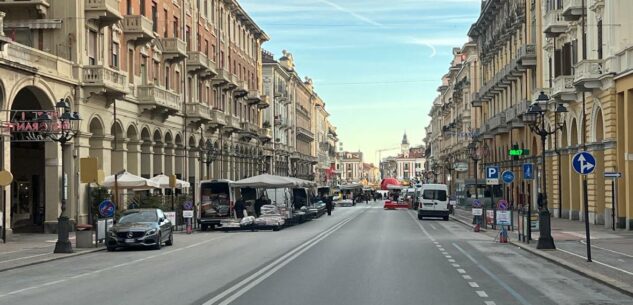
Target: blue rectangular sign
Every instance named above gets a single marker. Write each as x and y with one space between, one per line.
528 171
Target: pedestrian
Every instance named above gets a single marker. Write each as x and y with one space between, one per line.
239 208
258 205
366 197
328 205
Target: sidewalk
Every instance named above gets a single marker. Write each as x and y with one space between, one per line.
30 249
612 251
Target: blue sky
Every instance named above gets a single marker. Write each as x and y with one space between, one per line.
376 63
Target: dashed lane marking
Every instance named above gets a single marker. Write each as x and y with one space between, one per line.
462 271
456 265
482 293
490 303
473 284
597 262
467 277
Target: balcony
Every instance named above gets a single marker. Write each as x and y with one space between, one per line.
154 98
211 70
554 24
197 113
476 100
249 127
232 83
497 124
40 6
138 28
513 114
104 12
563 88
253 97
266 134
197 62
217 118
305 134
572 10
221 78
526 55
588 74
104 80
232 124
174 49
442 88
241 90
21 57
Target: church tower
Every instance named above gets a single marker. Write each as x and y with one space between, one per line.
404 146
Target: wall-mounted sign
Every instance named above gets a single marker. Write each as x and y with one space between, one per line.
24 125
461 167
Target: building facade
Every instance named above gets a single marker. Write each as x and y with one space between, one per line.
350 166
159 86
576 52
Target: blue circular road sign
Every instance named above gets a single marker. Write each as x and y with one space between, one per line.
583 163
476 203
106 208
507 176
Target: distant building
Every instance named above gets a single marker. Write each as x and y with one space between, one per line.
407 165
351 166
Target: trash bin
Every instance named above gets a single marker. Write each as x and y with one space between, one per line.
84 236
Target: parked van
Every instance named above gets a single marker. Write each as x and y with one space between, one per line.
434 201
216 200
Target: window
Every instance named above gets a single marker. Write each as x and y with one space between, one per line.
434 195
166 25
599 39
167 85
176 33
188 37
199 42
206 48
129 7
154 17
177 82
92 47
142 6
115 55
130 66
206 9
156 72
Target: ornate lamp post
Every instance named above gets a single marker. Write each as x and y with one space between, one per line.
449 165
535 118
473 150
210 154
61 127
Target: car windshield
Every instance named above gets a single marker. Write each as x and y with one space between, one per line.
139 216
434 195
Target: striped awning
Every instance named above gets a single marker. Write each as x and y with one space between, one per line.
35 24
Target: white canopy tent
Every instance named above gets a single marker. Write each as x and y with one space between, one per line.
163 182
264 181
129 181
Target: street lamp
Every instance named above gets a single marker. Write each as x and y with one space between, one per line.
535 118
62 127
449 166
475 156
210 155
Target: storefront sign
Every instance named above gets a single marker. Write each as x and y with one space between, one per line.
24 125
504 218
171 216
187 214
461 167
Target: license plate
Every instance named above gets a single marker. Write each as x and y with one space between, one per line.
129 240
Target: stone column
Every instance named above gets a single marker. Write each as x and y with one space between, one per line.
118 156
179 162
147 168
133 157
52 174
158 158
169 159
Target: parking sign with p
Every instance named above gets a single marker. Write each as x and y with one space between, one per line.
492 175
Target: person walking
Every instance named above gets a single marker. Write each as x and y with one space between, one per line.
328 205
239 208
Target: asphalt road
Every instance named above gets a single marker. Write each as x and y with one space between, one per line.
360 255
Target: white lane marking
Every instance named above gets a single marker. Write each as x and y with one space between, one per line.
105 269
482 293
608 250
462 271
433 227
254 279
435 242
473 284
501 283
24 257
597 262
450 260
456 265
448 256
467 277
490 303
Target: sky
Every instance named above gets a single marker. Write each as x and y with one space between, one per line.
376 64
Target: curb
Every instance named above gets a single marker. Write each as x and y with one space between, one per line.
470 225
613 283
53 259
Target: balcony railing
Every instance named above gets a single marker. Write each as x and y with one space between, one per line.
526 55
197 62
138 28
555 24
563 88
221 78
218 118
266 133
498 123
572 9
588 72
197 112
253 96
264 102
38 61
158 98
105 79
106 12
174 49
41 6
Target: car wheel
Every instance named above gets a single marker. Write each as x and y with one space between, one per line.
445 218
170 241
159 242
110 249
276 228
420 217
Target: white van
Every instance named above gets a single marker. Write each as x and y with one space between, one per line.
433 201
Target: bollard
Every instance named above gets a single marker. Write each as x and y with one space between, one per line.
476 228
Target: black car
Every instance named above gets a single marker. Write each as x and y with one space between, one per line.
141 228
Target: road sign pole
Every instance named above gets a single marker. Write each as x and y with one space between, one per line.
613 204
586 205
